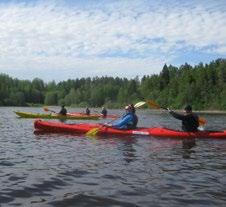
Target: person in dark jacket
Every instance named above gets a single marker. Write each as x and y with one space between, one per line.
104 112
63 111
87 111
190 120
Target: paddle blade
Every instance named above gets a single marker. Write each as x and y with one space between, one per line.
139 104
202 121
93 132
47 109
153 104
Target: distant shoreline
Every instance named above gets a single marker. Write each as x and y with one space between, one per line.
211 112
218 112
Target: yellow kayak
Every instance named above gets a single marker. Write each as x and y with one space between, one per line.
55 116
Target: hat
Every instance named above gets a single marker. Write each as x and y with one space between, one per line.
188 108
128 107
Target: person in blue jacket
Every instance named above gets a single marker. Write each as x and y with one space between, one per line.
127 121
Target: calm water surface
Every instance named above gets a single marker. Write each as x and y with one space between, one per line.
68 170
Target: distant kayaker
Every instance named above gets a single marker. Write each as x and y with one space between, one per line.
87 111
63 111
127 121
104 112
190 121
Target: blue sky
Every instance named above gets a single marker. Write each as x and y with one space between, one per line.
58 40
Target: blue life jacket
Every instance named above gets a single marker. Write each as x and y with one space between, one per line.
127 121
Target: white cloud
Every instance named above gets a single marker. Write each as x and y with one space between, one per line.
77 67
109 39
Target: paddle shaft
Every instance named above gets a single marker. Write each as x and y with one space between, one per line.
52 111
94 131
47 109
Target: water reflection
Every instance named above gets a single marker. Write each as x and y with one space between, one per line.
63 120
125 146
187 146
128 150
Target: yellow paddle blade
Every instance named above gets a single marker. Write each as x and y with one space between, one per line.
153 104
202 121
93 132
139 104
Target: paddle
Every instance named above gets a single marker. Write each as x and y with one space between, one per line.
94 131
139 104
153 104
47 109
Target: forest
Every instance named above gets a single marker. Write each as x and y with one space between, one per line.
202 85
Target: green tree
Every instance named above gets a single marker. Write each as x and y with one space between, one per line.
51 98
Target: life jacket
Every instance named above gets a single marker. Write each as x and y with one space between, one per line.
87 111
104 112
63 112
133 123
191 123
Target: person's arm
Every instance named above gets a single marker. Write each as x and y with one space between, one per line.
177 115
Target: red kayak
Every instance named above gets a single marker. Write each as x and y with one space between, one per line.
110 116
58 127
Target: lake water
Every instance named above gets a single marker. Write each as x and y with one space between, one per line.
68 170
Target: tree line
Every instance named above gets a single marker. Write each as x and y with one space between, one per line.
203 86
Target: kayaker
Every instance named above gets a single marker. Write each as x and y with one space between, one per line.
104 112
63 111
127 121
190 121
87 111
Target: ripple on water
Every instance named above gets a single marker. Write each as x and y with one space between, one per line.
89 200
